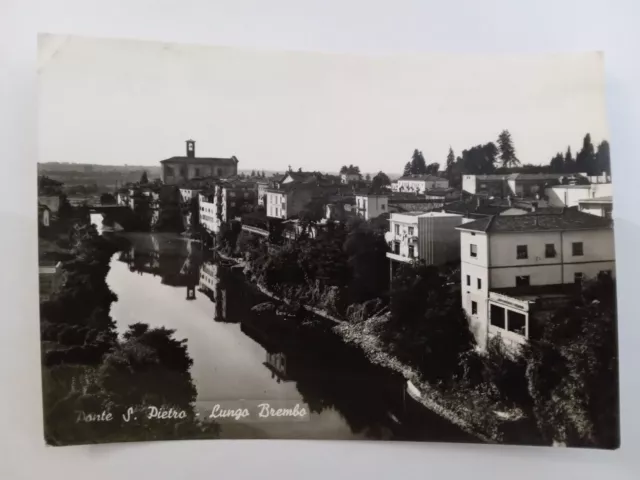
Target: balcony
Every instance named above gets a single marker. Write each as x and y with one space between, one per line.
399 258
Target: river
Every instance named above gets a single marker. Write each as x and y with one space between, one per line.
166 281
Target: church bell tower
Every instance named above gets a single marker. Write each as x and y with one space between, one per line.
191 148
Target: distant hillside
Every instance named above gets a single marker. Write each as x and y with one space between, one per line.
105 177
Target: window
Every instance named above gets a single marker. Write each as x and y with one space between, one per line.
479 284
516 322
473 250
183 171
411 231
474 308
497 316
522 281
383 207
197 171
397 229
468 280
577 277
219 172
577 249
411 251
396 248
168 171
550 250
522 252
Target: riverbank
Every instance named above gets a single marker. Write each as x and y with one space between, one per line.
451 409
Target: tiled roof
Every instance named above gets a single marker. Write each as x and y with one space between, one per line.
466 207
232 160
431 178
568 219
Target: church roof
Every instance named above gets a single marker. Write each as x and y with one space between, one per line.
232 160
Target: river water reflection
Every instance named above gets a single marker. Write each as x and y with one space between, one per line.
166 281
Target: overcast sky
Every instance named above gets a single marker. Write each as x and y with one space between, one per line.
131 102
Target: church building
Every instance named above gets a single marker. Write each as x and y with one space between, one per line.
176 170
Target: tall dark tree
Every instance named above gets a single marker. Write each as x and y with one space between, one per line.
407 169
432 168
253 173
557 163
569 162
144 179
507 150
603 159
367 177
380 181
586 158
480 159
418 164
344 169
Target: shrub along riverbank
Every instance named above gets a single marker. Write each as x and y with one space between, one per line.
560 389
88 369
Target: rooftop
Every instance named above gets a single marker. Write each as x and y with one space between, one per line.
422 178
597 200
233 160
565 219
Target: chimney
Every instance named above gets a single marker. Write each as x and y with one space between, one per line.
191 148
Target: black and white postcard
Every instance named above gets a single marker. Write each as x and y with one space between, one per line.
246 244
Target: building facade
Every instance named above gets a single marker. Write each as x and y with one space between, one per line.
370 206
514 262
176 170
431 237
600 206
571 195
350 177
421 183
288 200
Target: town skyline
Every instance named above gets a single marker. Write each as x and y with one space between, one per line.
306 109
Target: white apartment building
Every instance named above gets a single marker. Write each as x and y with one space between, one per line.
600 206
349 177
210 211
220 204
370 206
431 237
187 193
513 265
421 183
571 195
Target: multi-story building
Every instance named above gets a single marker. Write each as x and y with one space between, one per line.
421 183
288 200
431 237
224 202
370 205
571 195
600 206
187 193
350 177
514 267
517 184
176 170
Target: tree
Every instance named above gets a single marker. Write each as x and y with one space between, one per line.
557 164
407 169
507 151
603 160
253 173
569 162
107 199
144 179
418 164
344 169
573 371
586 158
479 160
380 181
367 177
432 168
